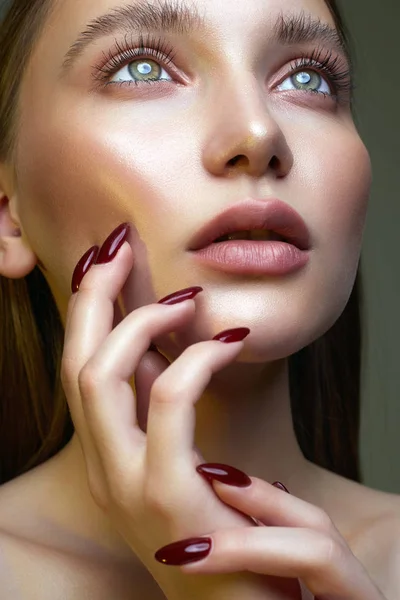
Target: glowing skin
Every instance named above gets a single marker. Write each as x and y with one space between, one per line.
157 156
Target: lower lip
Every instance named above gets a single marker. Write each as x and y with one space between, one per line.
246 257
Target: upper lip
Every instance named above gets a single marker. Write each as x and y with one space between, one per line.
271 214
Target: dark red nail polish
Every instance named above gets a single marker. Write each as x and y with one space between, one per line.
83 267
112 244
184 552
280 486
232 335
224 474
181 296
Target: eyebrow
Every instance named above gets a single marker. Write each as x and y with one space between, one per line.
176 17
169 17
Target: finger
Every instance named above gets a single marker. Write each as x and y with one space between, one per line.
90 317
150 367
172 417
70 367
70 308
324 566
271 505
107 398
118 314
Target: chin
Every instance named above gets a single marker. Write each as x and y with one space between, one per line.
264 344
279 328
265 349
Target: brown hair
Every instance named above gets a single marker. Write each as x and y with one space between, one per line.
35 422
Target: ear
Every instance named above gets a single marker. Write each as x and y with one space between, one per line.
16 257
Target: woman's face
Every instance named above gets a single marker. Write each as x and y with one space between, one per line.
92 156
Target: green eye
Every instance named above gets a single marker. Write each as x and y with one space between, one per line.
307 80
143 69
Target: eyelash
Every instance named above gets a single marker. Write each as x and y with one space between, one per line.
157 48
330 66
149 46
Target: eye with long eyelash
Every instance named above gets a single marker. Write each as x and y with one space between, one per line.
342 80
124 53
128 51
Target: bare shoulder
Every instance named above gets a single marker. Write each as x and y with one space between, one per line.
39 560
378 546
35 562
30 571
369 520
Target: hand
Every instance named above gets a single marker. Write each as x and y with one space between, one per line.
147 483
296 539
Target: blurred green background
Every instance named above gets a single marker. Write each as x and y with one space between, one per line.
375 37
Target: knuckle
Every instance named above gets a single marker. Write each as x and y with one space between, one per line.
246 540
67 370
159 393
90 379
168 386
166 389
155 504
330 552
158 502
322 521
121 497
164 393
152 496
86 382
120 487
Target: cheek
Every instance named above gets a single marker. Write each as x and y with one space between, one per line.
59 198
348 186
336 208
84 181
338 192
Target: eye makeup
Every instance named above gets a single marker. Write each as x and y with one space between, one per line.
321 61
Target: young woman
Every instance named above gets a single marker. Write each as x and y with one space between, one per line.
194 170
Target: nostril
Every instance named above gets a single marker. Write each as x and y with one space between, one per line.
237 159
274 162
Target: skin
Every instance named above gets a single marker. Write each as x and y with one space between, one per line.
88 162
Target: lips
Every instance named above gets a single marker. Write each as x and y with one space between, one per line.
270 214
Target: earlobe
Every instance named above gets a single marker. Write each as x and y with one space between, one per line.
16 258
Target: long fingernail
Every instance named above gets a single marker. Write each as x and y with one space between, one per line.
280 486
83 267
225 474
232 335
112 244
184 552
181 296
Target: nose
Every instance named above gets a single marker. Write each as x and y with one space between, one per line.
243 136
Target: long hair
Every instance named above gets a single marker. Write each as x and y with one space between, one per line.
35 422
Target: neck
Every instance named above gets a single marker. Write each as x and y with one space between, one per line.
245 420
